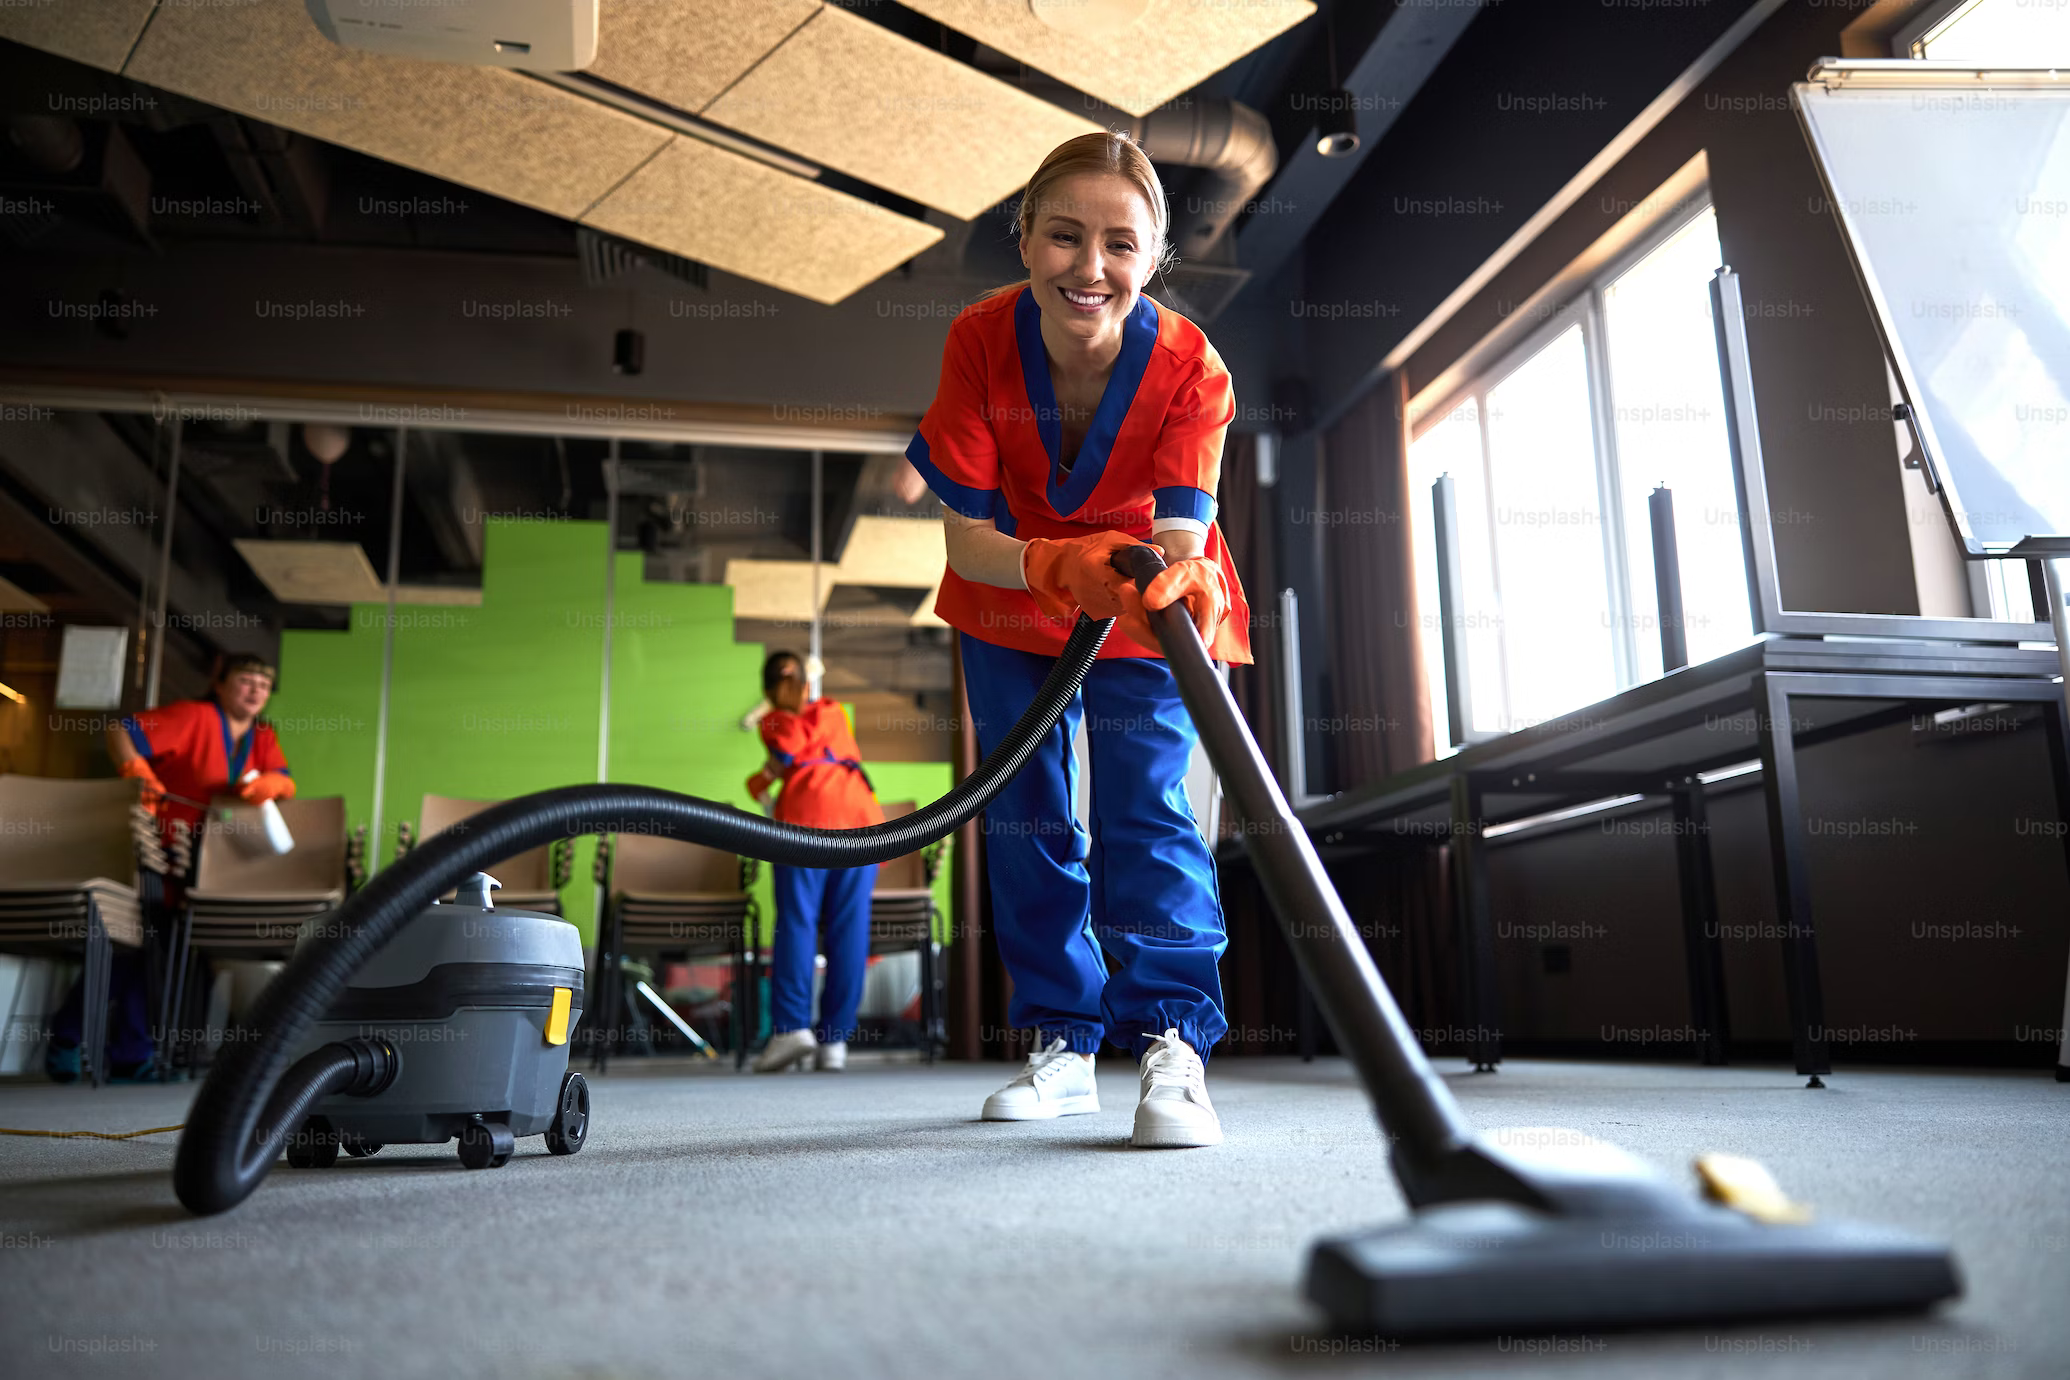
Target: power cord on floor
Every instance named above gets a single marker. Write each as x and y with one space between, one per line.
94 1135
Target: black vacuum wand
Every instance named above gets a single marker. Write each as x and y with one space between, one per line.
1539 1229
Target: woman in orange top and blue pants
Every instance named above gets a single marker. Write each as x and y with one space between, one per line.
1075 417
813 753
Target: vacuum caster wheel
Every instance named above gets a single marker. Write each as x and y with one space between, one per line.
486 1145
571 1123
357 1148
315 1146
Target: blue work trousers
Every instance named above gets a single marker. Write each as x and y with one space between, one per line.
809 899
1139 887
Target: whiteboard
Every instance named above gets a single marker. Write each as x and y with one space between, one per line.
1955 205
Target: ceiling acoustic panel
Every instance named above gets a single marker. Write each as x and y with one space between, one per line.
685 52
482 127
750 219
99 33
857 97
313 572
1176 45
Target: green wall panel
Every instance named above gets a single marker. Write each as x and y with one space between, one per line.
503 699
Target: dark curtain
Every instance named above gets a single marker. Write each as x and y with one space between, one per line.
1376 724
1379 720
1260 986
1249 521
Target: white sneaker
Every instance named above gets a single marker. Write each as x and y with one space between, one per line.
831 1058
1174 1112
783 1050
1055 1082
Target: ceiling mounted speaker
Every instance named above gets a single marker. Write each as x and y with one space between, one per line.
537 35
1089 18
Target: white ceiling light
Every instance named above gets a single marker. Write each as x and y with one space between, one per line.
1089 18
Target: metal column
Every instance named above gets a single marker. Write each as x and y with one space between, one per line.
165 551
813 665
395 523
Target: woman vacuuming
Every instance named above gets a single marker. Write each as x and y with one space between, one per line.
1075 417
813 754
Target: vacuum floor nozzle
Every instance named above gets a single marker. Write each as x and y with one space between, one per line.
1476 1269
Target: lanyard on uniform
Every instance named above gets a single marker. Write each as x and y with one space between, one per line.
234 759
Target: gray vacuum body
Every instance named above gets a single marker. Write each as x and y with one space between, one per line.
467 995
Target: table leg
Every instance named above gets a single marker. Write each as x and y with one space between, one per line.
1708 1011
1788 852
1479 1002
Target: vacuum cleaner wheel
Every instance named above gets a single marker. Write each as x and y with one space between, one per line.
571 1122
315 1146
357 1148
486 1144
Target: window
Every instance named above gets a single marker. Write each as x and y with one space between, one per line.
1553 455
2017 33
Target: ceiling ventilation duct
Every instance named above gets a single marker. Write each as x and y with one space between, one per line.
605 258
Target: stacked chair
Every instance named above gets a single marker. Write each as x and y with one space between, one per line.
531 880
675 900
248 901
75 882
902 918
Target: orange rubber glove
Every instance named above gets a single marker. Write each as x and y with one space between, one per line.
1196 580
139 769
269 785
1078 573
760 787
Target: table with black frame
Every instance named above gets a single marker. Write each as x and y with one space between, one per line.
1765 701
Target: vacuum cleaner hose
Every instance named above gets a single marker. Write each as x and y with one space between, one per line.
253 1101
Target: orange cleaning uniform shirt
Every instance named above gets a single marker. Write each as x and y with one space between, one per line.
188 745
815 756
989 447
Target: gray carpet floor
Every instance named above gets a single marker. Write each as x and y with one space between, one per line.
869 1225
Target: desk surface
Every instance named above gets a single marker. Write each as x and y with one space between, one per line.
1701 715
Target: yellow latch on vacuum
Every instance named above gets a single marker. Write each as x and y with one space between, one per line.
557 1019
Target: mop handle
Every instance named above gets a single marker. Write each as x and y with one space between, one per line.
1414 1105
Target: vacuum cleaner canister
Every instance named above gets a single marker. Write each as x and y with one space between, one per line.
478 1002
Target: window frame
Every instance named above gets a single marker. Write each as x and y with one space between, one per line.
1916 30
1582 305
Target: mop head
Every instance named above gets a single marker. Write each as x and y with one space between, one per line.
1612 1246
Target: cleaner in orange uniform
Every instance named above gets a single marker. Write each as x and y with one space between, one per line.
185 752
813 754
1076 417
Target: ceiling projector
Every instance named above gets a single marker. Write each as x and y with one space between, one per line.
538 35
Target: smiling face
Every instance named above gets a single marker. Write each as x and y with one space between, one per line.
1089 249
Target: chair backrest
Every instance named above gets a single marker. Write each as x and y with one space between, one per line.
528 871
235 859
651 865
62 831
908 872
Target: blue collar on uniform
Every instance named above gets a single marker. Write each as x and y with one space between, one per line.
1138 338
233 757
